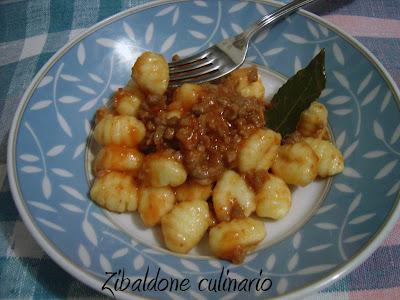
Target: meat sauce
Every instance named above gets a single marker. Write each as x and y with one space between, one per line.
209 134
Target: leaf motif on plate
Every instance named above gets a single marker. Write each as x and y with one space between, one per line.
56 150
81 54
374 154
297 64
315 269
72 192
88 105
319 248
188 51
200 3
62 172
339 100
224 34
70 78
87 126
371 95
296 240
203 19
165 11
89 232
84 256
168 43
108 43
261 9
342 112
378 131
313 30
128 30
138 262
46 187
175 17
350 172
317 49
120 253
261 37
326 92
324 30
386 169
96 78
86 89
103 219
340 139
349 151
270 263
78 150
343 188
292 264
71 207
41 104
105 264
29 157
45 81
355 238
64 125
325 208
394 189
273 51
386 100
215 264
69 99
326 226
361 219
364 83
31 169
189 265
354 204
50 224
170 270
236 28
396 135
342 79
338 54
295 38
282 286
149 33
238 7
42 206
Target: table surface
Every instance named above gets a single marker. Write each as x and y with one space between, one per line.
46 25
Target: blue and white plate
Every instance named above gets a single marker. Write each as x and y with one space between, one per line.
334 224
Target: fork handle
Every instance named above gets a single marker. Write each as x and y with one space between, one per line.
276 15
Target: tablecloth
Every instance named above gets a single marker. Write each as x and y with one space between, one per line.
32 31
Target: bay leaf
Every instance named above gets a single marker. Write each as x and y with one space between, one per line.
296 95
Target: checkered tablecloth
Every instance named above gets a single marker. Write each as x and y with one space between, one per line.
32 31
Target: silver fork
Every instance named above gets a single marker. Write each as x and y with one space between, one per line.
227 55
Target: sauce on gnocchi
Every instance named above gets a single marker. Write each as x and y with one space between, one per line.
198 161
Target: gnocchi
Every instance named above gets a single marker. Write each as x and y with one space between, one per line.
232 197
184 226
259 151
118 158
273 199
151 73
115 191
198 158
119 130
330 160
296 164
232 240
155 203
160 170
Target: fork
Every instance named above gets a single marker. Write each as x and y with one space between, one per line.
227 55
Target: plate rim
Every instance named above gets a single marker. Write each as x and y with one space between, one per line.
94 282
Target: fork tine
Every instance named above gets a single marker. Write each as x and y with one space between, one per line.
200 79
195 73
191 67
190 59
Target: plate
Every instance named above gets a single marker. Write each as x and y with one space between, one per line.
333 225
